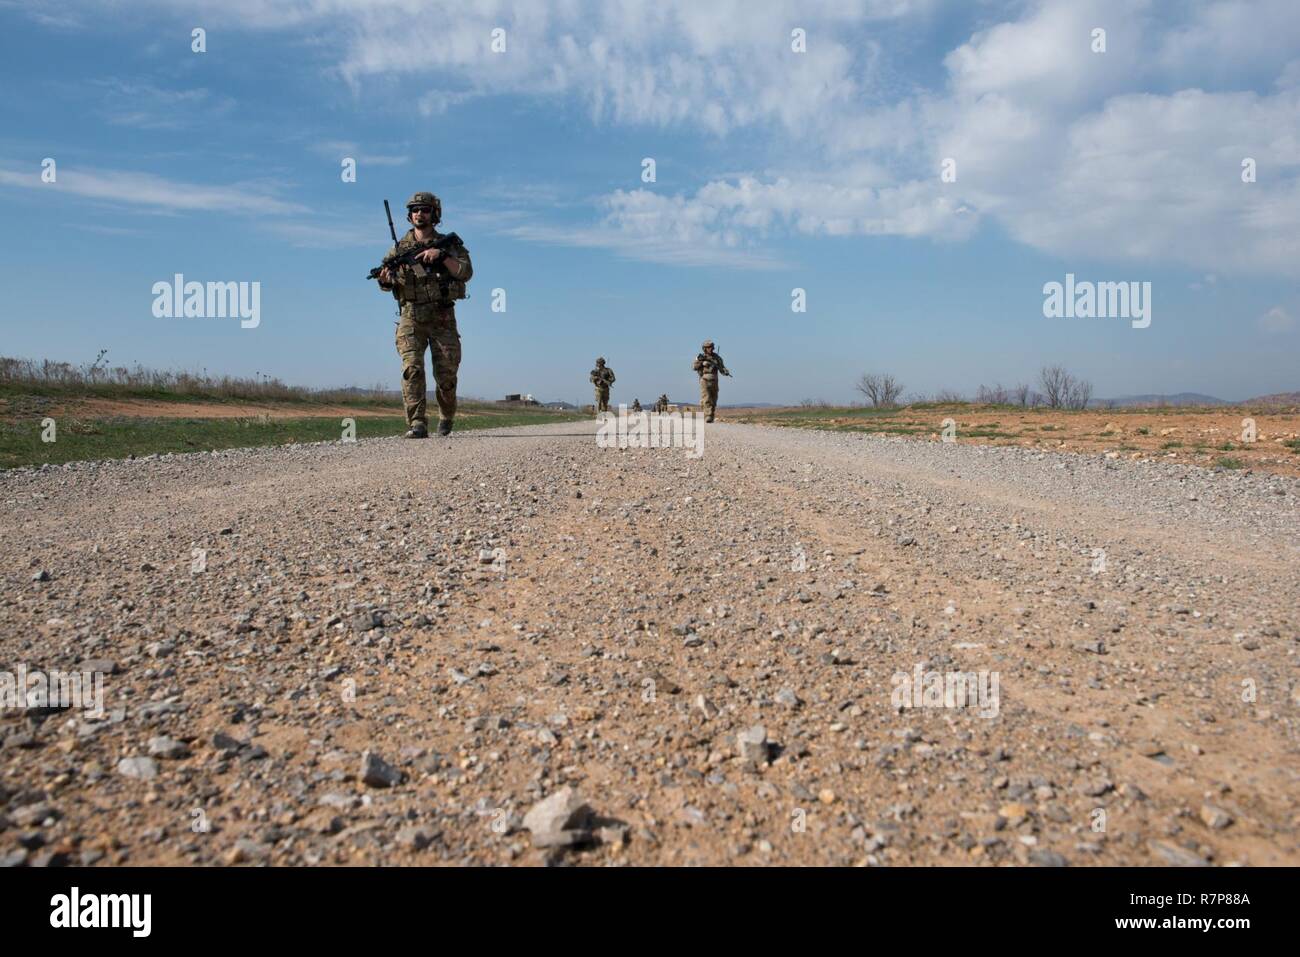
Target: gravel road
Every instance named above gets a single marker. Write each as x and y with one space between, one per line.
390 651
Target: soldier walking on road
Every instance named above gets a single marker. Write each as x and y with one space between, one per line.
427 291
602 377
708 365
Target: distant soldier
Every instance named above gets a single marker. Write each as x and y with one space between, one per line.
662 404
602 377
708 364
427 291
636 405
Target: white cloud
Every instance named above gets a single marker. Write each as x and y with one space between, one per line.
1055 142
153 192
1277 321
337 149
1133 154
145 106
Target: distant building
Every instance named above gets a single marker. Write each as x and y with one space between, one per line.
519 398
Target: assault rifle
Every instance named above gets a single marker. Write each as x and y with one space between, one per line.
408 258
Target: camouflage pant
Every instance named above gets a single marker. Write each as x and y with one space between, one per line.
709 396
428 327
602 398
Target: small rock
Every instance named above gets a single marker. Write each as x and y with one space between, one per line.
168 748
227 745
1215 818
416 838
752 744
1013 812
1177 856
559 820
143 769
377 772
34 814
1041 857
788 699
705 707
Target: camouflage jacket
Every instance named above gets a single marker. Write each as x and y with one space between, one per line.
421 283
708 366
603 376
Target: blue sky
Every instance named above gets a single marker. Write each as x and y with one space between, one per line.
774 170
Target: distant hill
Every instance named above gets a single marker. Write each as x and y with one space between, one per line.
1153 400
1276 398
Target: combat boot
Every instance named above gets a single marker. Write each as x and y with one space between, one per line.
418 431
444 426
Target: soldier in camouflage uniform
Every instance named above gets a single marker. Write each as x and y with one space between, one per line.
708 365
602 377
636 405
662 404
427 292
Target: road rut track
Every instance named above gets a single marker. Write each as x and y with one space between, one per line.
681 573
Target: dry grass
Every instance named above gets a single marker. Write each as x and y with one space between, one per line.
50 378
1196 435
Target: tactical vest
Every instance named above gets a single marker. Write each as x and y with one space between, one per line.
708 366
421 283
602 377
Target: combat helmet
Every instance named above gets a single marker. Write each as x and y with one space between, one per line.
425 199
600 360
706 343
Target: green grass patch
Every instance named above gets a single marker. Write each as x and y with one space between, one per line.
1230 463
821 414
888 429
236 396
121 436
1293 445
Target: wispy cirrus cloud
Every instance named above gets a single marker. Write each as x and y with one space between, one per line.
152 192
145 106
341 148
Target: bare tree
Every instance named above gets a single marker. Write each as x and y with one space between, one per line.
995 395
1056 383
1021 393
1061 390
948 396
1078 394
880 390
